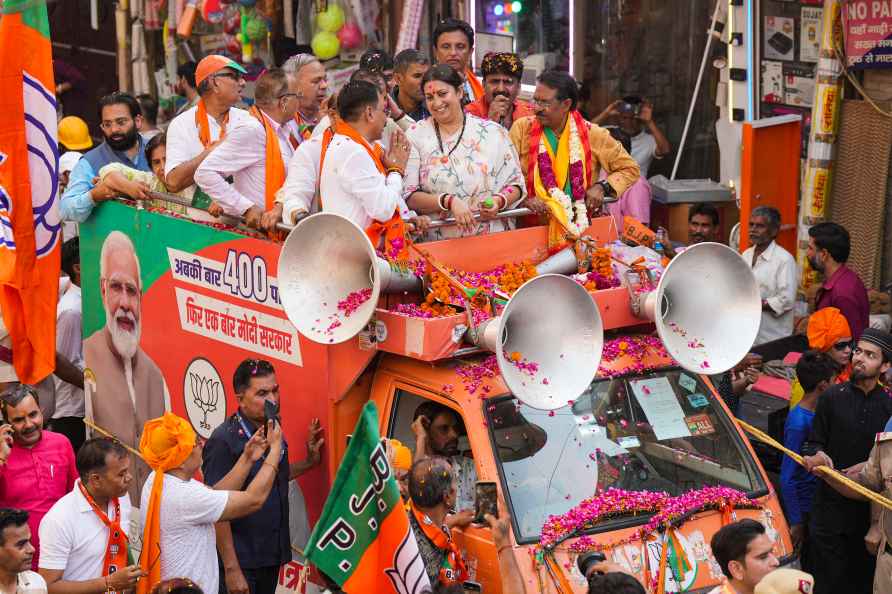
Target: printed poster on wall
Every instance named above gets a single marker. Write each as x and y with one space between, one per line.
810 34
772 82
799 86
867 28
779 44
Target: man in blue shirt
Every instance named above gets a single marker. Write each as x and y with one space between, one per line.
253 548
815 371
119 115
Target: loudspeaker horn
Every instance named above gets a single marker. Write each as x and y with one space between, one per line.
565 347
707 308
325 258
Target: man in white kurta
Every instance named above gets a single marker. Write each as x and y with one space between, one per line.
776 272
356 181
243 153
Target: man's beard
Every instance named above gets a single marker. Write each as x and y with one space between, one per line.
860 375
123 142
126 343
813 262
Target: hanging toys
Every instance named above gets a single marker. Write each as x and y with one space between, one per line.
253 28
330 20
350 36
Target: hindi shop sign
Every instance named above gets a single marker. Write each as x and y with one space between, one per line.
868 33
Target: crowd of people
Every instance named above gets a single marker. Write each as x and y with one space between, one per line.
408 139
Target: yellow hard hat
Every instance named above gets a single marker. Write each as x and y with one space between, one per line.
74 134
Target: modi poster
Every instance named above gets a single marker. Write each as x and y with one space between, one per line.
867 26
170 309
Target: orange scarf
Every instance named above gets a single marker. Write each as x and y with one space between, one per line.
275 165
393 231
116 548
476 85
204 127
165 444
453 569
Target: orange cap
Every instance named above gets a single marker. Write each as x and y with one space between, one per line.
214 63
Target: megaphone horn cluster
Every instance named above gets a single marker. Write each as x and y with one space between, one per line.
311 291
546 363
707 308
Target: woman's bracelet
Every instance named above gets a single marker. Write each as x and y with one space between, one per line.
504 199
441 202
449 199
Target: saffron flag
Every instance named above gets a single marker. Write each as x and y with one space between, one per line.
30 229
363 540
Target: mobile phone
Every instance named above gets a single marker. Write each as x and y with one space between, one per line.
270 413
485 501
470 586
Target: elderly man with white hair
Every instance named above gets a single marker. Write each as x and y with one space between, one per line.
124 386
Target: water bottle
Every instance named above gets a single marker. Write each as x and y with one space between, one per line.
660 242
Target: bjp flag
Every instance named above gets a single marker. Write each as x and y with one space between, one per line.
30 230
363 540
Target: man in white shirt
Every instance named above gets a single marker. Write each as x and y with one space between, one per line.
356 181
69 414
312 88
178 518
16 552
243 154
193 134
85 534
635 117
775 270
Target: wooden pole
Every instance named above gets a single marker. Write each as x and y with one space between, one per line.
122 33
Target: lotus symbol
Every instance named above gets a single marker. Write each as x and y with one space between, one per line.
206 394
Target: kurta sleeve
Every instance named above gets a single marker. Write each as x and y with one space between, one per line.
520 138
505 170
412 179
622 170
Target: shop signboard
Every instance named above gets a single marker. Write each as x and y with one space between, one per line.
867 25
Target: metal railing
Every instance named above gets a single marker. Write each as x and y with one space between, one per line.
234 221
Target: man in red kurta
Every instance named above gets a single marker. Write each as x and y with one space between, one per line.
40 468
501 85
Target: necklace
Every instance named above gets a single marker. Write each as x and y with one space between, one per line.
445 158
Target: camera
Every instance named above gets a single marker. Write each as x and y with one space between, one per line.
631 104
585 561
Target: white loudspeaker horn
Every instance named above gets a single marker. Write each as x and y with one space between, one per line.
707 308
325 258
552 322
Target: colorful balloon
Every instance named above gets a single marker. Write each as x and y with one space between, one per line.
350 36
325 45
332 19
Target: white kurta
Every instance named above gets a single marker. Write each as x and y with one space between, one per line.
484 163
777 275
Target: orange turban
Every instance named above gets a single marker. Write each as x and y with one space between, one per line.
402 456
166 443
826 327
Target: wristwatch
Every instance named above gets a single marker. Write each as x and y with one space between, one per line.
608 189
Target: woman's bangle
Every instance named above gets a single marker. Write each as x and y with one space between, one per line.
449 200
441 202
504 199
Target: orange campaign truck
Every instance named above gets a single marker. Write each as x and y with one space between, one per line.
563 391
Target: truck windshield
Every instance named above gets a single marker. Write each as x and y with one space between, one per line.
660 431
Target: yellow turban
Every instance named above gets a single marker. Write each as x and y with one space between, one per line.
826 327
165 444
402 456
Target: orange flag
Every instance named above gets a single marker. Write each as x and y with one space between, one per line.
30 230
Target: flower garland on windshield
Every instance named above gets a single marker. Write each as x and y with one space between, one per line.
668 511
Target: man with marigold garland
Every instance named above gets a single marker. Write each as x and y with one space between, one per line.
561 155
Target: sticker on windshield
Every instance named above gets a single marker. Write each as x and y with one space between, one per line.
700 425
629 442
698 400
658 400
687 382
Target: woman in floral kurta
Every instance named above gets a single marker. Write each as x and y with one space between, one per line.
459 164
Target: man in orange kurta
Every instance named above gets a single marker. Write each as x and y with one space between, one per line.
554 103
